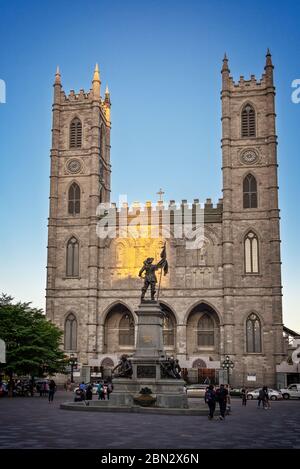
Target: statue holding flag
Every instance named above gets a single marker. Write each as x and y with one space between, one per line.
150 277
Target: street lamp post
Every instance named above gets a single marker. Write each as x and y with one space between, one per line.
228 365
73 364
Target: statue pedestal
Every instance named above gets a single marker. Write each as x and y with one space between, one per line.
149 344
146 364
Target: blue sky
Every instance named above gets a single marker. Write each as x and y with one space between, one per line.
161 60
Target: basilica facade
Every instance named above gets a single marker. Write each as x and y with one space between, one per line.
221 298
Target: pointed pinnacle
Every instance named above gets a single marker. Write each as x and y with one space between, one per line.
106 90
57 76
96 76
269 59
225 67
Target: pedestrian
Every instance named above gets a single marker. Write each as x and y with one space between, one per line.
45 388
244 396
82 386
100 391
39 389
52 389
110 388
267 404
210 400
221 395
79 395
105 391
261 398
228 400
89 392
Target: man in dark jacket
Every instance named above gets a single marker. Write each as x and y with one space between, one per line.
221 395
210 399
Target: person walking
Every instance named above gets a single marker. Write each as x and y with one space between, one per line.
244 396
221 395
261 398
52 389
267 404
210 400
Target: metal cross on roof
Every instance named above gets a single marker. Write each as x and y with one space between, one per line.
160 193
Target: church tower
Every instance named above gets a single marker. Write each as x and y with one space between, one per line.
79 181
251 239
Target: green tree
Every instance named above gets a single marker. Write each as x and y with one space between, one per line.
32 342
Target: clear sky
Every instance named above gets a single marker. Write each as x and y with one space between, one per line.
161 60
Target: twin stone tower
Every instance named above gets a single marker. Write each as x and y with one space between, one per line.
224 297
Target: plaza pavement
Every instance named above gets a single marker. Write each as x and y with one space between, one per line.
34 423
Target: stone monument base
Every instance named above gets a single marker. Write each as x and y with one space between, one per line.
169 393
147 371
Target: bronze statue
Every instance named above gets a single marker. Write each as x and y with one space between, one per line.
125 368
149 268
170 368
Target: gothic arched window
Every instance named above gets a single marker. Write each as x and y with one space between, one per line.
76 133
205 331
74 199
72 258
248 121
250 192
253 332
126 330
168 330
71 332
251 253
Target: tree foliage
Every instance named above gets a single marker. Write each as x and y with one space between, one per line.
32 342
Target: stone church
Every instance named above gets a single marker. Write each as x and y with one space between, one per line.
222 298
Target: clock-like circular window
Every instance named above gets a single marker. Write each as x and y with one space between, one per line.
74 166
249 157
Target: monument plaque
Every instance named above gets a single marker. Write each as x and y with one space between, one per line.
146 371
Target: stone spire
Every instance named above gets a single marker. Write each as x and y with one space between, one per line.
269 59
225 67
57 76
107 95
269 67
107 103
225 73
96 83
57 86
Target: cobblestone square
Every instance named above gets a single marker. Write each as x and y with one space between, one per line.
34 423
